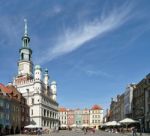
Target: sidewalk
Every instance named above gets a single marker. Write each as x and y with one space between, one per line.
138 134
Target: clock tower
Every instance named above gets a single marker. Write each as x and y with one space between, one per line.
25 65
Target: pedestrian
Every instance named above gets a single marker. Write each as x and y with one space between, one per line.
94 129
134 131
38 131
85 130
57 129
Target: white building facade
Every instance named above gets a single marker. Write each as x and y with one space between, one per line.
128 98
36 88
63 117
96 116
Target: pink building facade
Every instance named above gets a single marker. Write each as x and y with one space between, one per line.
86 117
70 118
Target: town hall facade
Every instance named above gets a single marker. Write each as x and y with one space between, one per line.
35 86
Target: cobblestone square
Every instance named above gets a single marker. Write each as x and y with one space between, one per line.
97 133
81 133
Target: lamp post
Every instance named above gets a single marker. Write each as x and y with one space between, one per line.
141 120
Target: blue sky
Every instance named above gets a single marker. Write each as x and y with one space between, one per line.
93 49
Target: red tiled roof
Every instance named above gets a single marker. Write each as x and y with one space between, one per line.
70 110
96 107
62 109
5 89
16 93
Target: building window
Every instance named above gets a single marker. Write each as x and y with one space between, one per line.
44 123
1 91
27 119
1 115
148 107
149 94
47 123
47 113
44 112
7 106
22 119
7 116
1 103
32 100
14 108
31 111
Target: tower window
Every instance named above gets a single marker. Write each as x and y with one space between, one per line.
22 56
26 42
32 112
29 57
32 101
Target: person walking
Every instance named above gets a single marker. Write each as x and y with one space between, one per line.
134 131
94 129
85 130
38 131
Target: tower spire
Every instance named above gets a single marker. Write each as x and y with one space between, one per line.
25 65
25 27
25 37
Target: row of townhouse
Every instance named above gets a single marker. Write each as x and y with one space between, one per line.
81 117
133 103
14 111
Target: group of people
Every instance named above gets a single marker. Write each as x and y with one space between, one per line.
37 131
87 129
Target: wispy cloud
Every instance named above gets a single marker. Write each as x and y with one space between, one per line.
97 73
73 38
56 9
8 27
